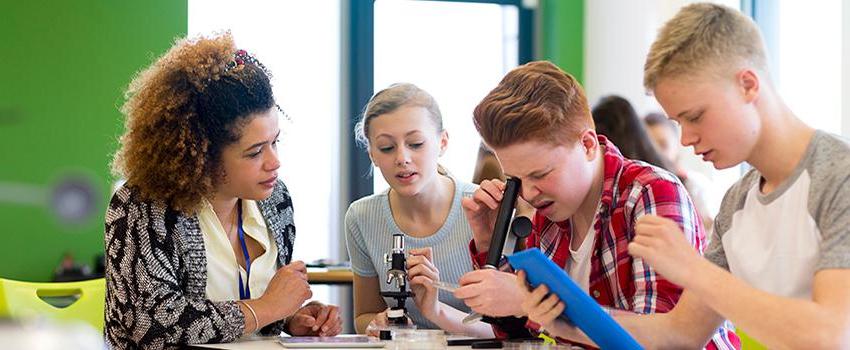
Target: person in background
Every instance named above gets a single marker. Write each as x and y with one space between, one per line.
69 270
665 137
402 130
615 118
487 167
199 239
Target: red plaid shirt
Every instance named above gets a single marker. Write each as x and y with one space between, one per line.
618 280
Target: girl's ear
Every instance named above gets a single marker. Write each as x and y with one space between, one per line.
369 152
444 142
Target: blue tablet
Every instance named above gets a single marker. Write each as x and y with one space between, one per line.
583 311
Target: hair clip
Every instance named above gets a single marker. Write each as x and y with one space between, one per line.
240 58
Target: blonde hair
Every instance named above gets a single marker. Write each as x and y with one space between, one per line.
704 37
392 98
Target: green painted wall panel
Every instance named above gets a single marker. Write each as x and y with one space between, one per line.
561 34
65 66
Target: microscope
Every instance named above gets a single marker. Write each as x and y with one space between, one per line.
508 233
397 276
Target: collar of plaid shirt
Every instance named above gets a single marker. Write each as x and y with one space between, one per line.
629 189
617 280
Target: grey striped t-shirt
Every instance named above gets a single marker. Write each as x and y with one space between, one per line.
369 226
776 242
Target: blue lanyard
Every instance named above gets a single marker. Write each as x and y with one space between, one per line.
244 288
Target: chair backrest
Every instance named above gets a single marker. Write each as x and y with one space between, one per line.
83 301
748 343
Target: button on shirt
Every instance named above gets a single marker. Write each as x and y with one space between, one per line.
222 266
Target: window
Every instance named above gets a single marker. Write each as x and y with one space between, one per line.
807 60
458 59
306 71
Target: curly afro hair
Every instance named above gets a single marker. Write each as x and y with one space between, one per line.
181 112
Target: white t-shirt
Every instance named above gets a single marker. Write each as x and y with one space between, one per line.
776 242
578 265
775 255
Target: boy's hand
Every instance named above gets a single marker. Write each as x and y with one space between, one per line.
540 306
481 210
491 292
660 242
545 311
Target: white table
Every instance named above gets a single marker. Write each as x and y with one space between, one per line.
263 343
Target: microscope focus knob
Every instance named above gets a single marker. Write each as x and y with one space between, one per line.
521 227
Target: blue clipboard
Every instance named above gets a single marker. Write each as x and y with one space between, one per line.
583 311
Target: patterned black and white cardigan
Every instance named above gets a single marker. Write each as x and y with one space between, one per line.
156 273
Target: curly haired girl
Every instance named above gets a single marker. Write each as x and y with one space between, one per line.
199 239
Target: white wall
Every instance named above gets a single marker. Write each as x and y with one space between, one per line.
307 88
617 38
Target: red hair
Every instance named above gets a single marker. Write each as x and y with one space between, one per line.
535 101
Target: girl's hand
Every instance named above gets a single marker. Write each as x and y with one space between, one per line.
422 275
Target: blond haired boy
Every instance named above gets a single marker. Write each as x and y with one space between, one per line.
777 264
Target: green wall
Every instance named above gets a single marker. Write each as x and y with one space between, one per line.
561 35
65 65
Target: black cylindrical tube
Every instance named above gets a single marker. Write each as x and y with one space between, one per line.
503 221
398 262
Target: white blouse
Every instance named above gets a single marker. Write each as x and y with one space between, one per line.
222 266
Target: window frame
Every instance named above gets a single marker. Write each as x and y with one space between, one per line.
358 81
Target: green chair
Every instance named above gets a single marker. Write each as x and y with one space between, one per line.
83 301
748 343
